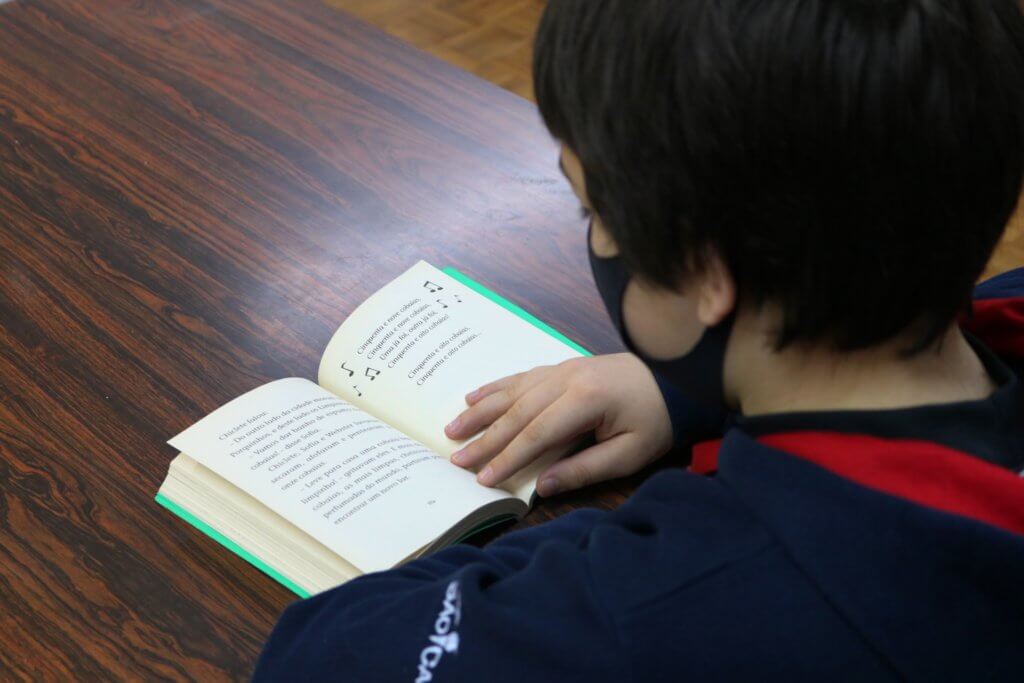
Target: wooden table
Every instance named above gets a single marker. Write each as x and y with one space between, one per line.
193 195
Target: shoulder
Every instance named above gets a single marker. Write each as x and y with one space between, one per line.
698 586
997 316
1003 286
677 528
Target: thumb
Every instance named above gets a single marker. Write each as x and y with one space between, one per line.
616 457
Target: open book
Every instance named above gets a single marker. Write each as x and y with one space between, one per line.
317 483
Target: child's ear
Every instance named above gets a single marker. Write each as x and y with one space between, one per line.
716 291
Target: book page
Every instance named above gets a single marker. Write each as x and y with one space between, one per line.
412 351
363 489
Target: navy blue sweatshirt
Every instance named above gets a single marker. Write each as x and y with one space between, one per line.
860 545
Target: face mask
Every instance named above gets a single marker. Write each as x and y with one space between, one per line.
700 372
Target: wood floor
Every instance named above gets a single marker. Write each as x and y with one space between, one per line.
493 39
489 38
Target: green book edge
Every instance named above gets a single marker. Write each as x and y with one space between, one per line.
276 575
511 307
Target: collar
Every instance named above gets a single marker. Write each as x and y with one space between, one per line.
991 428
961 458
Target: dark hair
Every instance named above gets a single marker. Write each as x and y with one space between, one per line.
854 161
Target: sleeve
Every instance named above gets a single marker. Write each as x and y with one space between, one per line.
997 315
521 609
691 421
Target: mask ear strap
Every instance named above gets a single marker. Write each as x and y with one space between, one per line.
611 279
700 373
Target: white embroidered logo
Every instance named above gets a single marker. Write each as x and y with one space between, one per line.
444 639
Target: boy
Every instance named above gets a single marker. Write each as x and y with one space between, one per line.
790 201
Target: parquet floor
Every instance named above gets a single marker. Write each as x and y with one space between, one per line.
490 38
493 39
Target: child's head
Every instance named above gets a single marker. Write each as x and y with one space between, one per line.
849 163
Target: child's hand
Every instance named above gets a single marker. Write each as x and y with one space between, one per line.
532 413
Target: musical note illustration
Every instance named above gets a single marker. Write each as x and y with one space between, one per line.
372 374
350 372
356 387
443 304
432 286
457 298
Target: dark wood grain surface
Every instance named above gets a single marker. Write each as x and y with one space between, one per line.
193 195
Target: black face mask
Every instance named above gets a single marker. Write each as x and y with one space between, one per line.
700 372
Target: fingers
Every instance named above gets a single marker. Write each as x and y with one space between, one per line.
491 401
567 417
609 459
511 421
486 390
480 415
